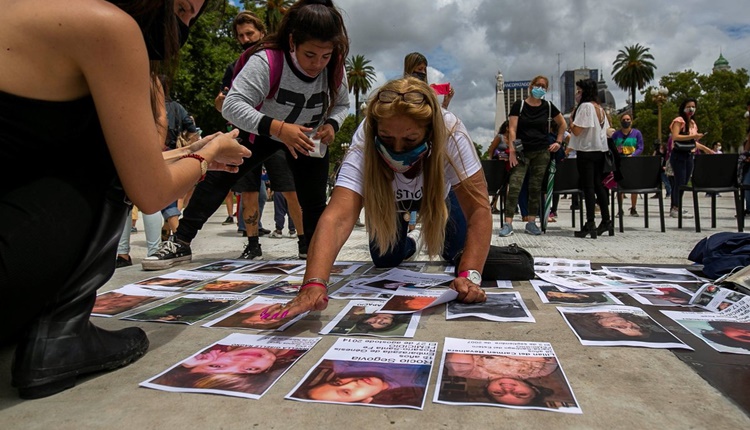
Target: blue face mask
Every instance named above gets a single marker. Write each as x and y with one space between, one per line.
401 162
538 92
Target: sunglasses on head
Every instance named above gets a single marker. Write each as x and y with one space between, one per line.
411 97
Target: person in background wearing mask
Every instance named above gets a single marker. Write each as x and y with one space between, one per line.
684 128
529 121
415 64
629 143
408 153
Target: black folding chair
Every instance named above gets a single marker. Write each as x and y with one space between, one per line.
496 175
713 174
641 175
566 182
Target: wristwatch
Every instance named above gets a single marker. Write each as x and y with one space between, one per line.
472 275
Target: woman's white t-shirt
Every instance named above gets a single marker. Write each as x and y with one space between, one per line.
593 138
459 148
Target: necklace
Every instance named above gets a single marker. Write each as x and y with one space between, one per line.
407 211
408 185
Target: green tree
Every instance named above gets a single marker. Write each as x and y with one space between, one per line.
360 75
721 96
204 58
633 68
272 11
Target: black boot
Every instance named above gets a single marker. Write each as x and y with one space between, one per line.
62 344
588 229
607 226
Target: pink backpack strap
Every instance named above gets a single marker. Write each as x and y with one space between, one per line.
275 65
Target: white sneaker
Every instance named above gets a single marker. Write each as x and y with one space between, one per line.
686 214
277 234
416 236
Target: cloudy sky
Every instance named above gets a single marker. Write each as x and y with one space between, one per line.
468 41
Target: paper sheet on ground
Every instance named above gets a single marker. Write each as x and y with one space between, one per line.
370 372
518 375
498 307
249 316
359 318
241 365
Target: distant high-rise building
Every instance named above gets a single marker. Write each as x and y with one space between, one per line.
515 90
568 86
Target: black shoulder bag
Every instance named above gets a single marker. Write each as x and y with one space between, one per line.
683 145
509 263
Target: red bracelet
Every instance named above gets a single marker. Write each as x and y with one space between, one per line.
204 164
309 284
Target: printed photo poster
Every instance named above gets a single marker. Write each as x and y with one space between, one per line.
358 318
187 309
655 274
517 375
409 300
561 265
414 266
125 299
722 334
352 293
226 266
370 372
345 268
396 278
239 283
550 293
240 365
717 299
288 286
595 281
277 267
176 281
250 316
668 295
618 326
501 307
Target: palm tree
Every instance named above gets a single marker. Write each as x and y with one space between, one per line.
274 11
633 68
360 76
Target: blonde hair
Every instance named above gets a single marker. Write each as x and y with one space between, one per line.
379 199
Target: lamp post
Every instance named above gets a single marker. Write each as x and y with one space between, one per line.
660 96
345 147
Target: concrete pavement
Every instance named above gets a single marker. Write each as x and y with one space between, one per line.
616 387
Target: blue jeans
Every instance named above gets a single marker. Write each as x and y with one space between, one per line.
667 183
281 210
682 165
455 238
152 225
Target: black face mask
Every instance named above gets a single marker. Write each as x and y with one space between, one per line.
248 45
420 75
154 37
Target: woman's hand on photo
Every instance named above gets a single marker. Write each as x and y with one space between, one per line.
468 292
309 299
